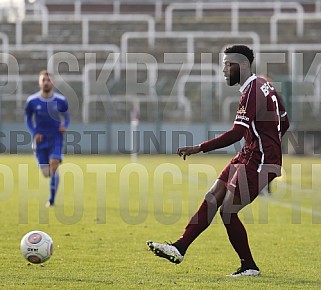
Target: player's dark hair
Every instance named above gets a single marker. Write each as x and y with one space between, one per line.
241 49
44 72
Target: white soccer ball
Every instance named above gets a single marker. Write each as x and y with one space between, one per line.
36 247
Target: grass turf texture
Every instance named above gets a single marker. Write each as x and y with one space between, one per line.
100 225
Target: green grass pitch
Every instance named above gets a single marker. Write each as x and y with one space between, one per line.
107 207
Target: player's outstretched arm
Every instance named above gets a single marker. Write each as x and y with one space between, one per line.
227 139
188 150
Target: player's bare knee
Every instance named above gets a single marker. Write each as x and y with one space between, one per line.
45 171
53 168
54 164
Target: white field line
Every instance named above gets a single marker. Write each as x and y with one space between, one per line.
270 199
291 205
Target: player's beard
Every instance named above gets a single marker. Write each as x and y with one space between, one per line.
234 75
47 90
234 78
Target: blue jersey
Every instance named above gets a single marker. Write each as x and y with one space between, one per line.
45 116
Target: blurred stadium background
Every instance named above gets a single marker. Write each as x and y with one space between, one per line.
153 67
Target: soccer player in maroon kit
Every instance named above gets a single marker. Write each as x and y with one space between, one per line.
261 120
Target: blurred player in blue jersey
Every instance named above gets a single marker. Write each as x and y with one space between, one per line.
47 118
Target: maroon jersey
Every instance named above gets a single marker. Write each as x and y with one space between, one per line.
260 111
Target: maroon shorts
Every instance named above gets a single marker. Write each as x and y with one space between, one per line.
247 177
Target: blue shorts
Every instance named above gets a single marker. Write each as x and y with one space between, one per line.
50 148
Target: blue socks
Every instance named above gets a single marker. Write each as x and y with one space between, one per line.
54 182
